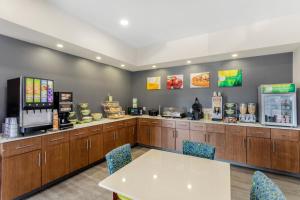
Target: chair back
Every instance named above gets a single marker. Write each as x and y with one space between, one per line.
263 188
199 149
118 158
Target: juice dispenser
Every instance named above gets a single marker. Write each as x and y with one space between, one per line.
31 101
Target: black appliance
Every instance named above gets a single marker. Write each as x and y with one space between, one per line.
30 99
135 111
63 102
153 112
197 113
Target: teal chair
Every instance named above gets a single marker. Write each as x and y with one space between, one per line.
116 159
264 189
198 149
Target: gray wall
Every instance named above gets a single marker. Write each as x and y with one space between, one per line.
89 81
256 71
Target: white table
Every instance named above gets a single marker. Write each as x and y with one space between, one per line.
160 175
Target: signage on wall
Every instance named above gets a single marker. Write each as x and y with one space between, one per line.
174 82
153 83
230 78
200 80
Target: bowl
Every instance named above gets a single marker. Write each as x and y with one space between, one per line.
96 116
87 119
85 112
84 105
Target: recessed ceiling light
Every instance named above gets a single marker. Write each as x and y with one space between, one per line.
59 45
234 55
188 62
154 66
189 186
124 22
98 58
122 65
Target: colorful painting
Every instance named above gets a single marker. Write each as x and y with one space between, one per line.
174 82
153 83
199 80
230 78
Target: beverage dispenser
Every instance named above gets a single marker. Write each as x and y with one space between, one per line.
31 101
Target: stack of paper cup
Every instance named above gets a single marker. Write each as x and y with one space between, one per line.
11 127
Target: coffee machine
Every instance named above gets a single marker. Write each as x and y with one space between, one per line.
63 102
197 113
31 101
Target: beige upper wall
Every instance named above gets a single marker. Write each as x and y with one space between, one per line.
296 67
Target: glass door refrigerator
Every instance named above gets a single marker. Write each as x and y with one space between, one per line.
278 104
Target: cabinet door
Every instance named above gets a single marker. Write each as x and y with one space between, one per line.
131 134
285 156
79 153
236 148
95 148
21 174
181 135
236 143
121 137
144 135
168 138
55 161
259 152
155 136
218 141
108 141
198 136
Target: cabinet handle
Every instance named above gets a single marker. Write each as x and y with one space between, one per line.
208 138
245 143
274 147
204 137
39 159
25 146
249 144
45 154
87 144
56 139
90 143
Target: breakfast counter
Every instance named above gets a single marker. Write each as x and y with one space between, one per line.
106 121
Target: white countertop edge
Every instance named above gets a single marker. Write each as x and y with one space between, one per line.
105 121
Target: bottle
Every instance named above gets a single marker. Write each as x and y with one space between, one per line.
55 120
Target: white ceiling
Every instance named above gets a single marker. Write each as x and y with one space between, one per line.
157 21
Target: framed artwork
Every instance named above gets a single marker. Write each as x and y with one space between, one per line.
153 83
174 82
200 80
230 78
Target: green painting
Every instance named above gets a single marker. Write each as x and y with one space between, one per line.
230 78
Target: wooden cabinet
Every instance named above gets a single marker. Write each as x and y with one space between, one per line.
143 136
216 137
131 131
236 143
108 141
121 136
149 132
79 153
259 152
168 138
56 160
285 150
95 147
181 135
131 134
155 136
198 132
21 174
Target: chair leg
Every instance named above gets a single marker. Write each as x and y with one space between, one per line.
115 196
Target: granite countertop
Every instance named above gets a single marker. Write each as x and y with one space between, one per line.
105 121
